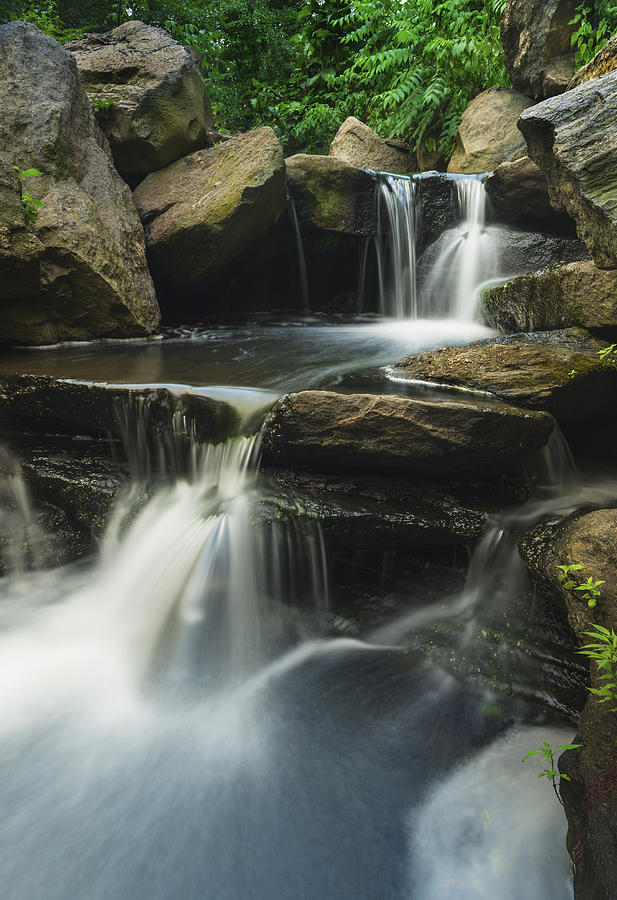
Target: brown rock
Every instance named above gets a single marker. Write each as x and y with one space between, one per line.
519 195
604 61
536 38
487 135
359 145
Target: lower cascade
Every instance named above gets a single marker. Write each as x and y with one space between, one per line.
183 701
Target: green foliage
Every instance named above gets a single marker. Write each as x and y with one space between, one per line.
30 201
588 589
608 354
42 13
101 103
603 652
595 22
548 757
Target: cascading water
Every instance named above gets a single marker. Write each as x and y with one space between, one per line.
396 247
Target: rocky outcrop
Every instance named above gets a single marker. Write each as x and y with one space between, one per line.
20 249
590 796
487 135
332 195
536 38
557 371
359 145
204 212
604 61
572 139
371 433
160 111
43 405
558 297
84 262
518 192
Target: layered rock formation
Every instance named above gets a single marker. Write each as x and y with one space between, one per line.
536 38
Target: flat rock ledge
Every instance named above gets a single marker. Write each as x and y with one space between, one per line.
391 434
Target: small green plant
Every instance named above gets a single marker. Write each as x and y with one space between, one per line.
595 21
548 757
608 354
101 103
32 203
603 652
588 589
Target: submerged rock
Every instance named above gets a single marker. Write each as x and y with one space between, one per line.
359 145
85 263
536 39
590 796
556 371
487 135
204 212
160 111
379 434
572 139
604 61
518 192
558 297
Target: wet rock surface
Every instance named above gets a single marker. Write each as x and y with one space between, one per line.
487 135
518 192
536 38
578 294
91 278
372 433
556 371
359 145
160 111
590 796
572 139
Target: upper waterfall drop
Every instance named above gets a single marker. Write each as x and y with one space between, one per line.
452 269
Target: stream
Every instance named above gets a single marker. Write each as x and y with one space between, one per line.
179 717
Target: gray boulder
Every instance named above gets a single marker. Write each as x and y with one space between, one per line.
573 140
373 433
160 110
487 135
85 259
20 249
359 145
203 212
332 195
536 38
559 297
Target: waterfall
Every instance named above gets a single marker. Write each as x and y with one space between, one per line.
462 259
301 255
396 247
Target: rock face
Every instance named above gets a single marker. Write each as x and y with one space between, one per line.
381 434
573 140
590 796
487 135
604 61
160 110
203 212
359 145
557 371
85 258
20 249
559 297
536 40
332 195
518 192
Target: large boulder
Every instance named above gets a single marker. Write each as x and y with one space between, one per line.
332 195
359 145
487 135
20 248
590 794
557 371
559 297
573 140
204 212
85 262
518 192
536 38
604 61
160 111
372 433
